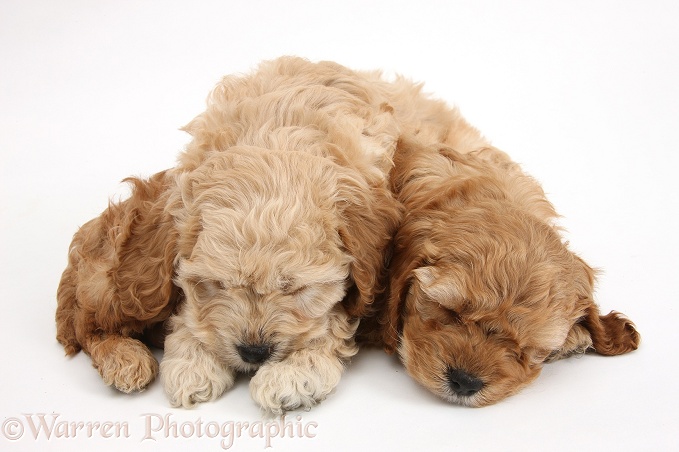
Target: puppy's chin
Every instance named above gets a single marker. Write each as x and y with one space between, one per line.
239 365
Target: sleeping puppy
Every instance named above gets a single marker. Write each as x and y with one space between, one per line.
117 289
483 289
275 228
276 251
285 218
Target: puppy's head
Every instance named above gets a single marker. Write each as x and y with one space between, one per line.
483 292
270 246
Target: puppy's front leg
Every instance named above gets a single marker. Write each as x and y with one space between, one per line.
308 375
190 373
122 361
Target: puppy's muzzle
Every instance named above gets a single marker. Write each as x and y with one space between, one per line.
254 354
462 383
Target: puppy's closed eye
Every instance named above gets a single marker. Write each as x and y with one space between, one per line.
490 330
206 289
296 291
432 309
448 315
317 298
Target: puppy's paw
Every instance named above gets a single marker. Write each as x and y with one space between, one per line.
190 382
284 386
127 364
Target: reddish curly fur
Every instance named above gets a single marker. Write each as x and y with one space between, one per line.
481 289
481 283
118 285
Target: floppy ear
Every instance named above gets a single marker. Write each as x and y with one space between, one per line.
184 210
610 334
370 216
185 201
145 241
403 269
392 314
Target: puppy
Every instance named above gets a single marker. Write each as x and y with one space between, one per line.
117 287
285 218
275 226
483 289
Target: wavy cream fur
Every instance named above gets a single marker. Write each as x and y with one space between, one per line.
274 227
285 218
277 226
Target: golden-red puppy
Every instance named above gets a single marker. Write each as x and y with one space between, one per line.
118 285
483 289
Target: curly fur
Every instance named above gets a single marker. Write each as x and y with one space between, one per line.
117 288
285 218
483 289
277 226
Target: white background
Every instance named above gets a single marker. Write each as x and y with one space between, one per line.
584 93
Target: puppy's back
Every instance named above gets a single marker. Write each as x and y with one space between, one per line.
119 272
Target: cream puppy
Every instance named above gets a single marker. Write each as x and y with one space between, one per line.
285 219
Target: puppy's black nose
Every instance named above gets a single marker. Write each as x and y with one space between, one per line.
463 383
254 354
